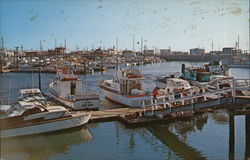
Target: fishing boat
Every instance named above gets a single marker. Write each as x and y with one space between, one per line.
40 119
126 88
4 70
214 68
68 89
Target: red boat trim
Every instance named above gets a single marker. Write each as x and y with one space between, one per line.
53 92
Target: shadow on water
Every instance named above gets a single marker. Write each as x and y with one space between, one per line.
165 134
247 133
174 135
45 145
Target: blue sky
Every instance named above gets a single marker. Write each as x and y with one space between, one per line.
180 24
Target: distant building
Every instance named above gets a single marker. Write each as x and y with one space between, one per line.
60 49
229 50
4 52
165 51
178 52
194 51
57 50
31 53
215 52
149 52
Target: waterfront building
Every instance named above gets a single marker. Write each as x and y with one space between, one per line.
231 50
165 51
195 51
6 53
149 52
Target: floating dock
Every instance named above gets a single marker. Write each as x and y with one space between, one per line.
166 108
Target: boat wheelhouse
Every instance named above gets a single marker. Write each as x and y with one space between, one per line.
68 89
126 88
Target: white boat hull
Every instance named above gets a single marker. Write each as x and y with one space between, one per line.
79 104
45 127
127 101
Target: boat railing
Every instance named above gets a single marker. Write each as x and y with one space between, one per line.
167 100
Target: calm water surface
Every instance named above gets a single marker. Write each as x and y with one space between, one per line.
206 136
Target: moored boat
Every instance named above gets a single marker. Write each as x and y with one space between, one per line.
68 89
126 88
41 119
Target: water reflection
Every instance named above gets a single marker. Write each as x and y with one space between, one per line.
174 143
165 133
43 146
220 116
175 135
247 133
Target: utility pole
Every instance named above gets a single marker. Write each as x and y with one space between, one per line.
116 44
55 43
142 45
2 43
16 57
238 42
212 46
65 44
133 42
41 47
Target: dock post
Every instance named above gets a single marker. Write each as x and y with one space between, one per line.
191 98
155 104
218 88
231 137
39 79
152 105
143 105
164 102
247 136
233 90
169 102
246 84
204 91
182 101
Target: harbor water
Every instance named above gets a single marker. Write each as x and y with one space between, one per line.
206 136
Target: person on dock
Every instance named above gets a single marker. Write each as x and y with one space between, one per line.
155 92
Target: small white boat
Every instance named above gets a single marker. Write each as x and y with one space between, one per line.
40 119
214 67
173 85
32 95
69 90
126 88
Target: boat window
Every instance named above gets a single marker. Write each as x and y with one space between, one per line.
72 88
107 84
66 114
31 111
179 84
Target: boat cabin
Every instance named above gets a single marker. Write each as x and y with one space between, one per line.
196 74
31 95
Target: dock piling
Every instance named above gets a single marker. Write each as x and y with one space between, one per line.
233 90
191 98
218 88
152 105
164 102
143 105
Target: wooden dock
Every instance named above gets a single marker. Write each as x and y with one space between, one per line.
164 107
